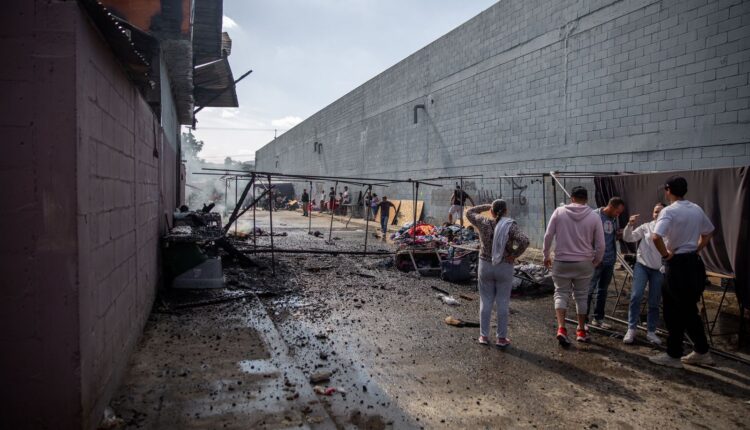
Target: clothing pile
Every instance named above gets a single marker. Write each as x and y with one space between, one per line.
422 234
532 279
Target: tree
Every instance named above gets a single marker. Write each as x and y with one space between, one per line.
190 145
228 161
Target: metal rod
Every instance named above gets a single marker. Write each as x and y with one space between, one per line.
461 199
544 202
314 251
415 191
236 188
333 203
270 217
332 178
554 195
254 239
309 210
220 93
552 174
619 335
367 219
234 216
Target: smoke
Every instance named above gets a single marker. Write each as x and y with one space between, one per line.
204 189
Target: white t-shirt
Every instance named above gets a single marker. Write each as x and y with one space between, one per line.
682 223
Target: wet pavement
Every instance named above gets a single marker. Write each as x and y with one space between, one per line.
376 340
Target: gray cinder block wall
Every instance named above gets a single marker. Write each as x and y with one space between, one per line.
530 86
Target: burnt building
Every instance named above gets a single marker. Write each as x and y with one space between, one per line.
93 97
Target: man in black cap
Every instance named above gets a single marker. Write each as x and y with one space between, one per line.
686 230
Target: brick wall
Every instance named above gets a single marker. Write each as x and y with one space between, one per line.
89 181
536 85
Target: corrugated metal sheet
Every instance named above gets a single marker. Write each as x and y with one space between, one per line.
207 36
214 85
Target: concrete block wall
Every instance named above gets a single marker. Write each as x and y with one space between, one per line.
123 162
534 86
88 179
39 363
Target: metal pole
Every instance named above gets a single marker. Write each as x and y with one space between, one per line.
544 203
330 230
416 192
554 194
236 199
270 217
461 199
226 193
315 251
558 183
367 211
254 240
309 211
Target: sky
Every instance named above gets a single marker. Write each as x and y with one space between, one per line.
305 54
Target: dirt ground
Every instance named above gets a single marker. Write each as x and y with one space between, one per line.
246 363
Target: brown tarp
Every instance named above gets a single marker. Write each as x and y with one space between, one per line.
724 194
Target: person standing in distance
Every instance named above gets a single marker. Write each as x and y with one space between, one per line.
687 230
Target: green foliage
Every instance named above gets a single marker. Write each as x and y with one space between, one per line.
190 145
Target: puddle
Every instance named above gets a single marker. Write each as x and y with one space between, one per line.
257 367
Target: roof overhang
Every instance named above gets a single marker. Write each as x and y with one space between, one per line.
214 85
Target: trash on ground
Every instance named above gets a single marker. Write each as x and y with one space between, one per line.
319 377
448 300
456 322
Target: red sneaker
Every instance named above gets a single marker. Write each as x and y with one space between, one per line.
582 335
562 337
483 340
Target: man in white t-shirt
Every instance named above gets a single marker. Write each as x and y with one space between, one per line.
687 231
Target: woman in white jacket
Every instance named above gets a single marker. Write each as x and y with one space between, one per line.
647 269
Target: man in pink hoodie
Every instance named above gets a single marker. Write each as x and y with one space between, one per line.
579 248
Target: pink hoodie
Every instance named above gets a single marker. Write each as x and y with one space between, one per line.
578 234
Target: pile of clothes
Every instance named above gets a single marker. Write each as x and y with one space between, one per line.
422 234
440 236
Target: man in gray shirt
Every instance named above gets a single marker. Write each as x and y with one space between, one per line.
687 231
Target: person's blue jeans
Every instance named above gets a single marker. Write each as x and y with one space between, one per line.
384 223
641 275
599 285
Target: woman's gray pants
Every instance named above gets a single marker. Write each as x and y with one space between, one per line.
495 284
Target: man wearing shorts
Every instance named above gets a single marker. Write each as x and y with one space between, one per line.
579 248
458 201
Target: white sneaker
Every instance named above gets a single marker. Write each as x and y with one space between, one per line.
600 323
629 336
653 338
699 359
664 359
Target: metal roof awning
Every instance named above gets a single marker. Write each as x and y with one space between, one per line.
214 85
134 48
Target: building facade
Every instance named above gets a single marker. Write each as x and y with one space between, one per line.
531 86
91 173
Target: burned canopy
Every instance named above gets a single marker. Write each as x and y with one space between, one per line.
724 194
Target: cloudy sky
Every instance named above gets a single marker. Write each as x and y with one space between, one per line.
305 54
